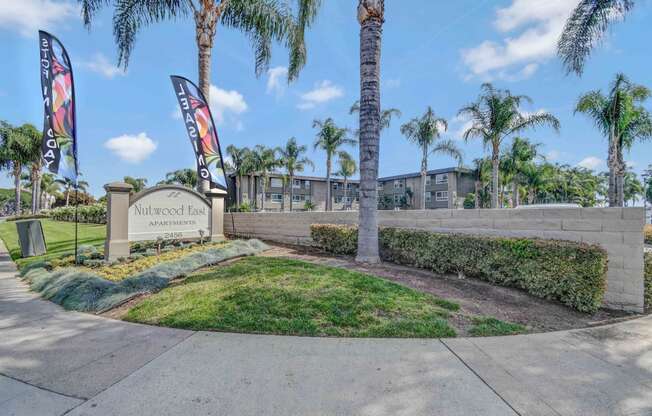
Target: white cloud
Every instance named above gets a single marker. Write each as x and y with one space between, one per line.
224 105
591 162
553 155
275 80
392 83
28 16
459 125
323 92
101 65
130 148
517 56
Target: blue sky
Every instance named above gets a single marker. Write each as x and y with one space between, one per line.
435 53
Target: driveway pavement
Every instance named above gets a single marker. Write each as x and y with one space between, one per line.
54 362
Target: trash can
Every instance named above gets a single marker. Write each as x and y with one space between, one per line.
31 238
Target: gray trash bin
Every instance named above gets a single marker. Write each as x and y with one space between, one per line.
30 235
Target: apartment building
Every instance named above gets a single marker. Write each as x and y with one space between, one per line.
445 188
304 189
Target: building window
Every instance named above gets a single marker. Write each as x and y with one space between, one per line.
398 184
441 179
442 196
428 196
428 180
338 199
296 184
306 184
298 198
335 186
276 183
276 197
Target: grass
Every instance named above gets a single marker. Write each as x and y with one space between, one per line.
59 237
290 297
485 326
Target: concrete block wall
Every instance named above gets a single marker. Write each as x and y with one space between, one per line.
618 230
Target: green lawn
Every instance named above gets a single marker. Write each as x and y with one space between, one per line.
59 237
279 296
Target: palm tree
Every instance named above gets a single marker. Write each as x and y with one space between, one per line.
14 155
184 177
69 185
621 118
482 173
518 158
386 116
31 140
348 168
292 159
496 116
49 188
633 188
266 161
330 138
238 157
425 131
138 184
262 21
250 168
586 27
371 16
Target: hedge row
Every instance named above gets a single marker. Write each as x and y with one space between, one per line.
572 273
92 214
648 233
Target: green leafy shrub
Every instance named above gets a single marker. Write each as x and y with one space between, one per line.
83 290
648 233
27 217
648 282
569 272
90 214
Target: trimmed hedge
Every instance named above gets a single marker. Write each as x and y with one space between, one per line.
569 272
647 232
90 214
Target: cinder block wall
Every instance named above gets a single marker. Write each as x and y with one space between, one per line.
618 230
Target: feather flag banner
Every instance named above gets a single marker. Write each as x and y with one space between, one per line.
59 145
199 123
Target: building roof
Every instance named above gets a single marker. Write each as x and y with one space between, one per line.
430 172
304 178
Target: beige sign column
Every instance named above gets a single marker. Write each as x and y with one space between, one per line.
217 198
117 226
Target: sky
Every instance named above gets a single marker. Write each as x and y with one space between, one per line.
434 53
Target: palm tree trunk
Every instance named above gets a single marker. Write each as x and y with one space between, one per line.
250 192
329 190
264 195
371 18
611 193
530 196
291 190
494 179
17 185
205 26
515 195
346 193
424 173
478 185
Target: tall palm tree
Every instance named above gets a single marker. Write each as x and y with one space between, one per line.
371 16
518 158
49 189
496 115
330 138
386 116
292 158
14 155
623 120
425 131
348 168
31 140
184 177
138 183
69 186
266 161
586 27
482 172
238 157
262 21
250 168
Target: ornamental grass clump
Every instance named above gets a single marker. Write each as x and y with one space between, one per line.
569 272
82 290
647 233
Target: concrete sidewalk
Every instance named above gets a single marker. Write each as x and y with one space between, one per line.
54 362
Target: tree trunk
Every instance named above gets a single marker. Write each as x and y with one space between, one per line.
283 187
620 177
346 193
250 192
329 190
371 18
17 185
205 26
291 191
264 195
611 193
515 194
478 185
494 178
530 196
424 173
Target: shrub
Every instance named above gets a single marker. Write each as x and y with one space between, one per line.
83 290
91 214
648 233
648 281
572 273
27 217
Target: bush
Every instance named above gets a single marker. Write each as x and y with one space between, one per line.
648 233
81 290
27 217
91 214
572 273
